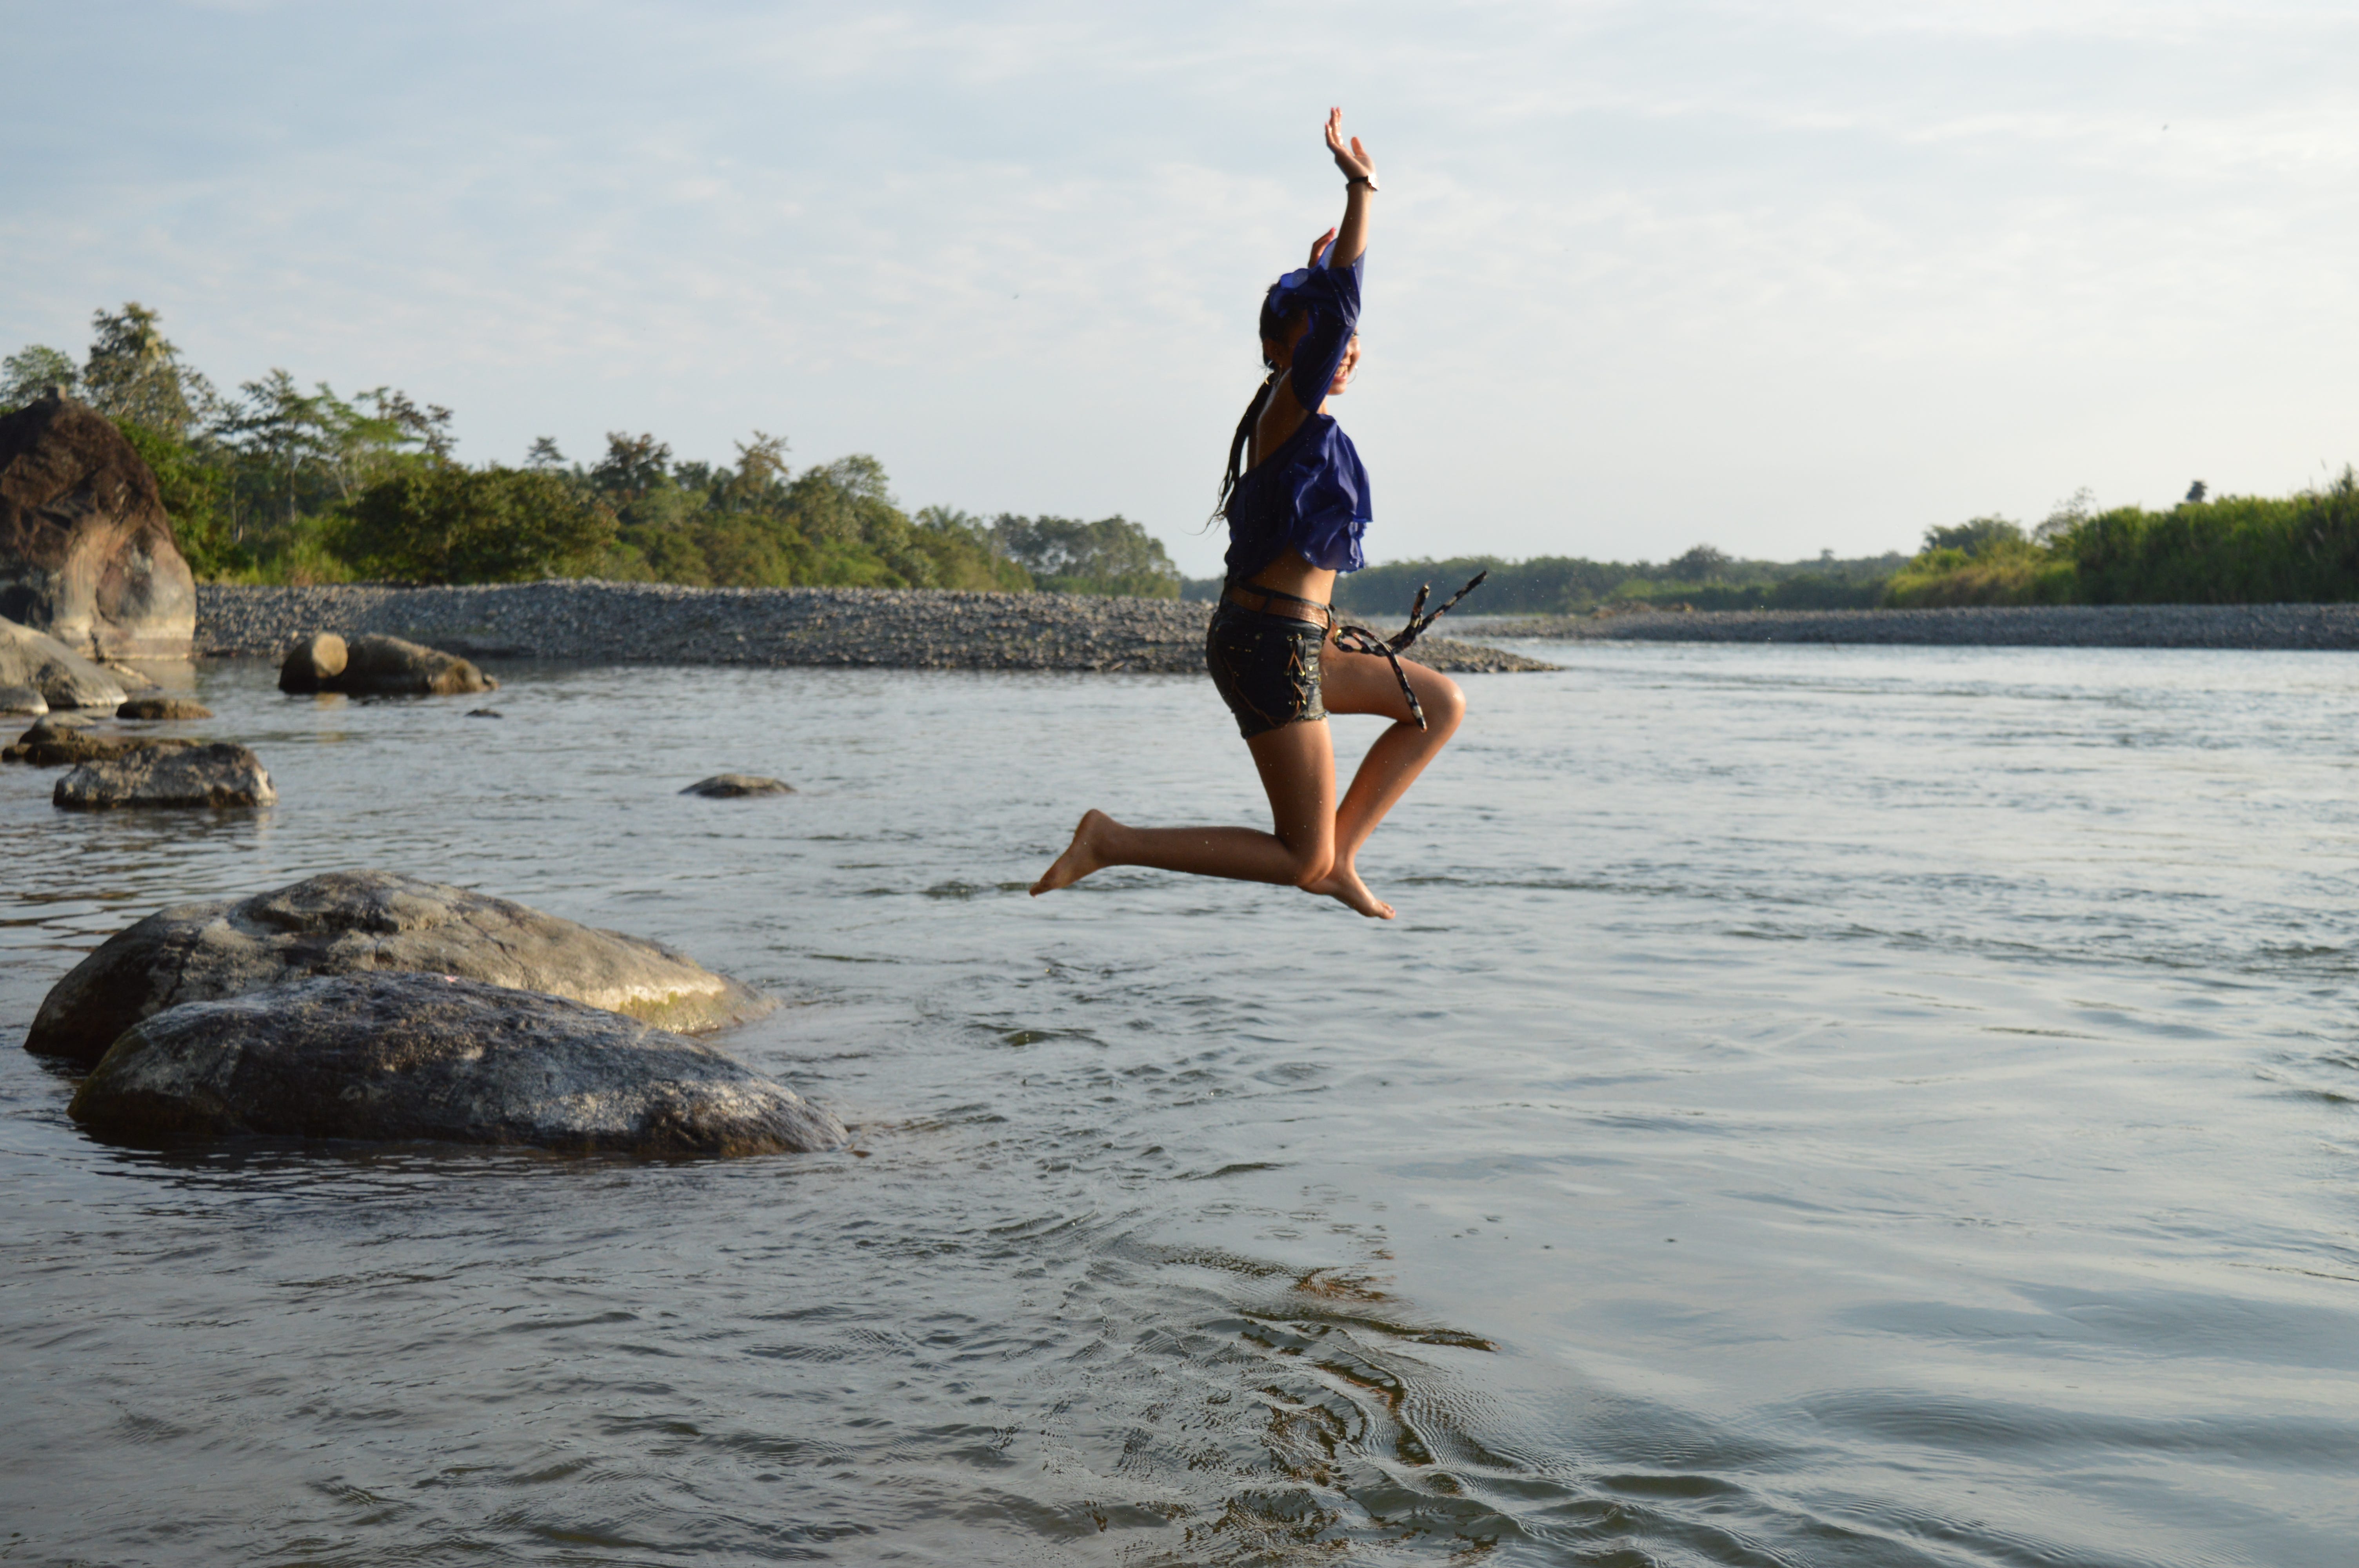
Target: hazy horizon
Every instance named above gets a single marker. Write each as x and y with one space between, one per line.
1782 279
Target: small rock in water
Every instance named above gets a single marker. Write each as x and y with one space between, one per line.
22 701
60 740
730 787
162 708
431 1057
167 774
360 921
485 713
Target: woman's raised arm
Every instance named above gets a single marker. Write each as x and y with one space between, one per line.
1359 177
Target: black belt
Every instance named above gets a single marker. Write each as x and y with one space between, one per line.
1360 640
1266 602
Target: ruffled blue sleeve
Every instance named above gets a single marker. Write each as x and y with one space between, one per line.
1332 295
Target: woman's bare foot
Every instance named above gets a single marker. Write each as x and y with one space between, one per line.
1081 857
1343 885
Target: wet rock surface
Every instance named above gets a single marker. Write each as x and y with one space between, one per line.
377 666
366 921
155 709
311 660
63 677
156 775
21 701
733 786
424 1056
60 741
603 622
2321 626
86 551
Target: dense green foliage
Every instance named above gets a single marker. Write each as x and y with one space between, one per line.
443 522
1112 554
2237 549
286 483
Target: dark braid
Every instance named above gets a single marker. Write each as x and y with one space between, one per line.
1274 327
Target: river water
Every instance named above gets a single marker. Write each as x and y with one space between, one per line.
1819 1106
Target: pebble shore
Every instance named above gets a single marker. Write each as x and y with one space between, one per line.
661 623
2049 626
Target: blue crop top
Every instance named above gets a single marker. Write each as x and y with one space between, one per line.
1310 495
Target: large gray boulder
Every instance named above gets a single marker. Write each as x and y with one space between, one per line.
63 677
20 701
377 666
428 1056
357 922
86 550
167 774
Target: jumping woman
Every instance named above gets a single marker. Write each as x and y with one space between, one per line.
1295 511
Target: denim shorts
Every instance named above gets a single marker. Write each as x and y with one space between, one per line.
1265 667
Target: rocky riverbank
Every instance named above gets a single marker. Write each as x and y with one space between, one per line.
2330 626
605 622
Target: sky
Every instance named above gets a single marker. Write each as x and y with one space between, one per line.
1780 279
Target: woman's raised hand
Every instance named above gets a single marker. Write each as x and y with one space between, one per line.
1351 157
1318 244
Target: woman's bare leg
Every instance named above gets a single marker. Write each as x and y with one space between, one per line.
1362 682
1297 770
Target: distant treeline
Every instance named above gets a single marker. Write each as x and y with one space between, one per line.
1702 578
278 484
2238 549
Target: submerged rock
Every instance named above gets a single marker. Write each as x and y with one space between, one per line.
61 740
730 787
430 1057
357 922
86 550
157 709
63 677
167 774
388 666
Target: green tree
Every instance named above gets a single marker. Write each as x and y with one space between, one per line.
445 522
32 371
135 372
1110 555
1975 536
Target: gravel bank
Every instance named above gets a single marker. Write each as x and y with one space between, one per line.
2049 626
658 624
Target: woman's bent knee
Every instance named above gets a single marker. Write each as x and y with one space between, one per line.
1445 705
1310 870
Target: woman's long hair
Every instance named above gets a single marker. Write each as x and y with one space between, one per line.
1274 327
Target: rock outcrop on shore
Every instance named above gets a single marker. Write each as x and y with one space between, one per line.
359 922
2289 627
161 775
404 1057
603 622
63 677
86 551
